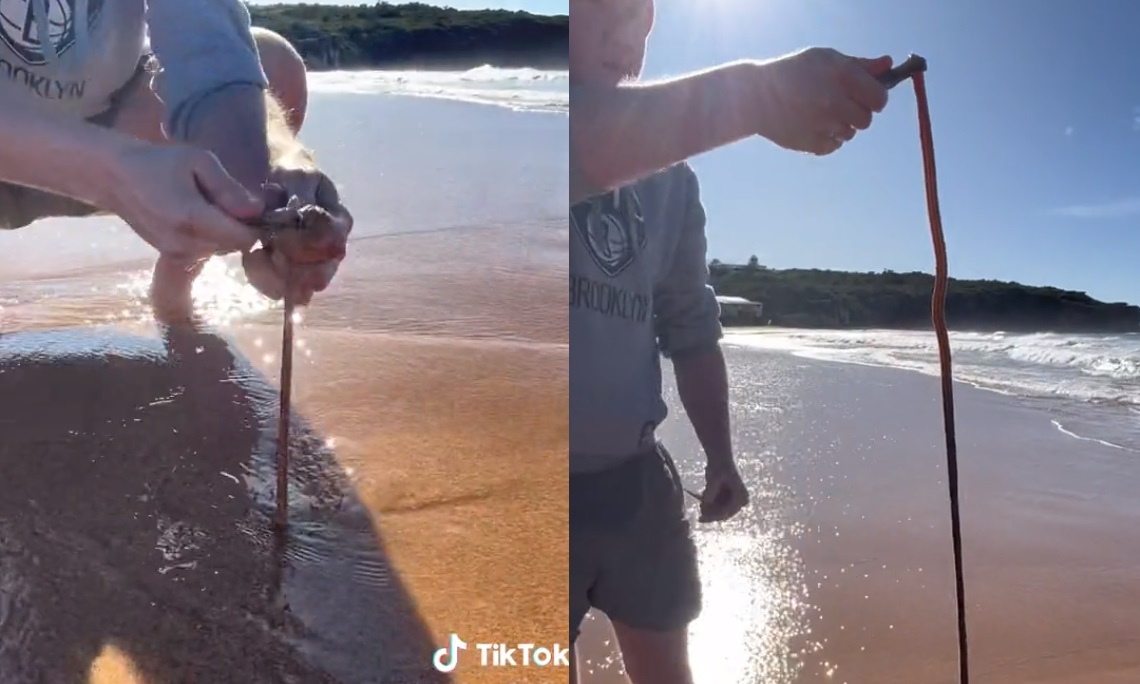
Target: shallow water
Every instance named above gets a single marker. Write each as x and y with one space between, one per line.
841 571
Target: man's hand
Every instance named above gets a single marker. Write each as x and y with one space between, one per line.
725 494
817 99
267 269
182 201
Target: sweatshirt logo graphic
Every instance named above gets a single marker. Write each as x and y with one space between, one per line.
612 227
20 33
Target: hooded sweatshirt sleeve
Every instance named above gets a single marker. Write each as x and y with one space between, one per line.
686 313
202 47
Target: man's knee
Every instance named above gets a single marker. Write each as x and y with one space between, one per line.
285 70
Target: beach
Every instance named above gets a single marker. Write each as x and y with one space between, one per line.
428 474
841 570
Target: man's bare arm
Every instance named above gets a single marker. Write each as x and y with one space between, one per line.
702 383
57 154
232 123
620 134
260 138
212 82
687 321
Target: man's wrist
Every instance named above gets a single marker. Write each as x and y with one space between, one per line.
720 459
756 80
732 99
106 170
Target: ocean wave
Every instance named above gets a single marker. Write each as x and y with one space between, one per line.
1091 368
1069 433
533 90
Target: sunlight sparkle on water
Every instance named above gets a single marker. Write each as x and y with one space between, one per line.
751 609
755 620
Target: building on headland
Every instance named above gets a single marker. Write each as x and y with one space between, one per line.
740 311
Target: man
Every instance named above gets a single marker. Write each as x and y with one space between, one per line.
638 286
168 113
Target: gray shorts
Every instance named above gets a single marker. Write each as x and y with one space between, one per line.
632 554
20 206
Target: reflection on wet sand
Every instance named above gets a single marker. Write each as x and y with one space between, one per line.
135 532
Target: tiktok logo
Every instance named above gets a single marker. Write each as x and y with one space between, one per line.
447 658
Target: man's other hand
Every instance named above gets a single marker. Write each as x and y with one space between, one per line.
181 201
266 269
725 493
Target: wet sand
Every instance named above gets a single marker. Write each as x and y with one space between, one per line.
429 476
841 572
429 487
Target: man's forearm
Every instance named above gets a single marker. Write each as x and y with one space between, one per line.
620 134
232 124
60 155
702 382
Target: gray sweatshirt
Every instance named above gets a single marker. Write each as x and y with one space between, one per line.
93 47
638 289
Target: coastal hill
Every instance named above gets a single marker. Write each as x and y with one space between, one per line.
418 36
839 299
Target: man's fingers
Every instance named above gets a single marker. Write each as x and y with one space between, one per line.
737 502
864 88
842 132
211 225
875 66
327 194
182 265
344 220
722 510
172 287
274 196
851 114
221 189
266 271
307 280
825 144
722 499
300 182
217 219
259 270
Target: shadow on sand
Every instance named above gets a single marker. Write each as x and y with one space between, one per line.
136 495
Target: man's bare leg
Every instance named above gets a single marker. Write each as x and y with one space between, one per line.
654 657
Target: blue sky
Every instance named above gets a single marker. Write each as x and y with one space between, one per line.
1036 117
536 6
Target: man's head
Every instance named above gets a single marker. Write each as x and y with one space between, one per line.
607 40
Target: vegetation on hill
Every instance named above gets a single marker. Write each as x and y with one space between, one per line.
416 35
838 299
